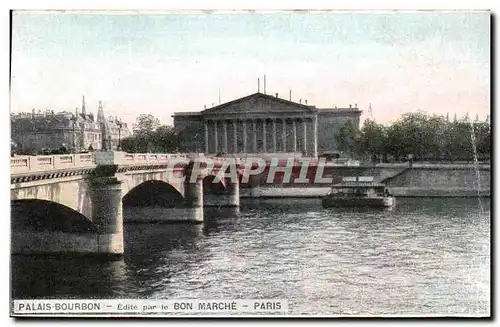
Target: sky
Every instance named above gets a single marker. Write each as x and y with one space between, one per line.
161 63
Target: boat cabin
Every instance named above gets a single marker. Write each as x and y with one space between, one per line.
359 187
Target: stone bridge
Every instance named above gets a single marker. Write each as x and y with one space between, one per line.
75 203
92 188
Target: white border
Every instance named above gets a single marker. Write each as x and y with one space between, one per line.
176 5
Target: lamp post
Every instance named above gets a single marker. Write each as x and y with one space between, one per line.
82 143
73 120
119 124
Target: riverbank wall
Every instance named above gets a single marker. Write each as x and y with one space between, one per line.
402 180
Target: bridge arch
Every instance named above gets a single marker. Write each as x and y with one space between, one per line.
153 193
42 215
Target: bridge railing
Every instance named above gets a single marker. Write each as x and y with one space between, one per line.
151 158
27 164
160 158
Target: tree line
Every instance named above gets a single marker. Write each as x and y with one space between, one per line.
418 136
149 135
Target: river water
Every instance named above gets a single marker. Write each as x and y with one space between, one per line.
425 257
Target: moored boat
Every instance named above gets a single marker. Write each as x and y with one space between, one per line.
358 192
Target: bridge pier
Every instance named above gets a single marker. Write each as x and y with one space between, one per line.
107 214
193 194
227 198
234 194
231 196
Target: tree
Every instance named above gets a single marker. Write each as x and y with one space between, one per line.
349 139
461 146
483 139
146 125
448 140
396 145
414 135
373 138
435 132
423 136
144 133
165 139
130 144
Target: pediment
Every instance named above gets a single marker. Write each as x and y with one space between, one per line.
258 103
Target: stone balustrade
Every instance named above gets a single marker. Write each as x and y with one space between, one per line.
27 164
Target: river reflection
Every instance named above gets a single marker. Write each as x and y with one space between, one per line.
427 256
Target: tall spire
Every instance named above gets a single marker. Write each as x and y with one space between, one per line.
83 105
105 130
100 114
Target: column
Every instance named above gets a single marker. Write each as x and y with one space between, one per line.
107 214
254 122
235 137
216 136
283 136
264 147
294 135
224 124
206 136
274 135
244 136
315 135
304 136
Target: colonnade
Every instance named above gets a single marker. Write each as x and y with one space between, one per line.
289 126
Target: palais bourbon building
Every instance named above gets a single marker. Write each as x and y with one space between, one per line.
261 123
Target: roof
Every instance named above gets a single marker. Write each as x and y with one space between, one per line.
55 121
358 184
187 113
49 122
255 96
339 111
261 96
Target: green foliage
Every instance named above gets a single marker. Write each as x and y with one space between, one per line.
373 138
165 139
422 136
349 139
146 125
150 136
